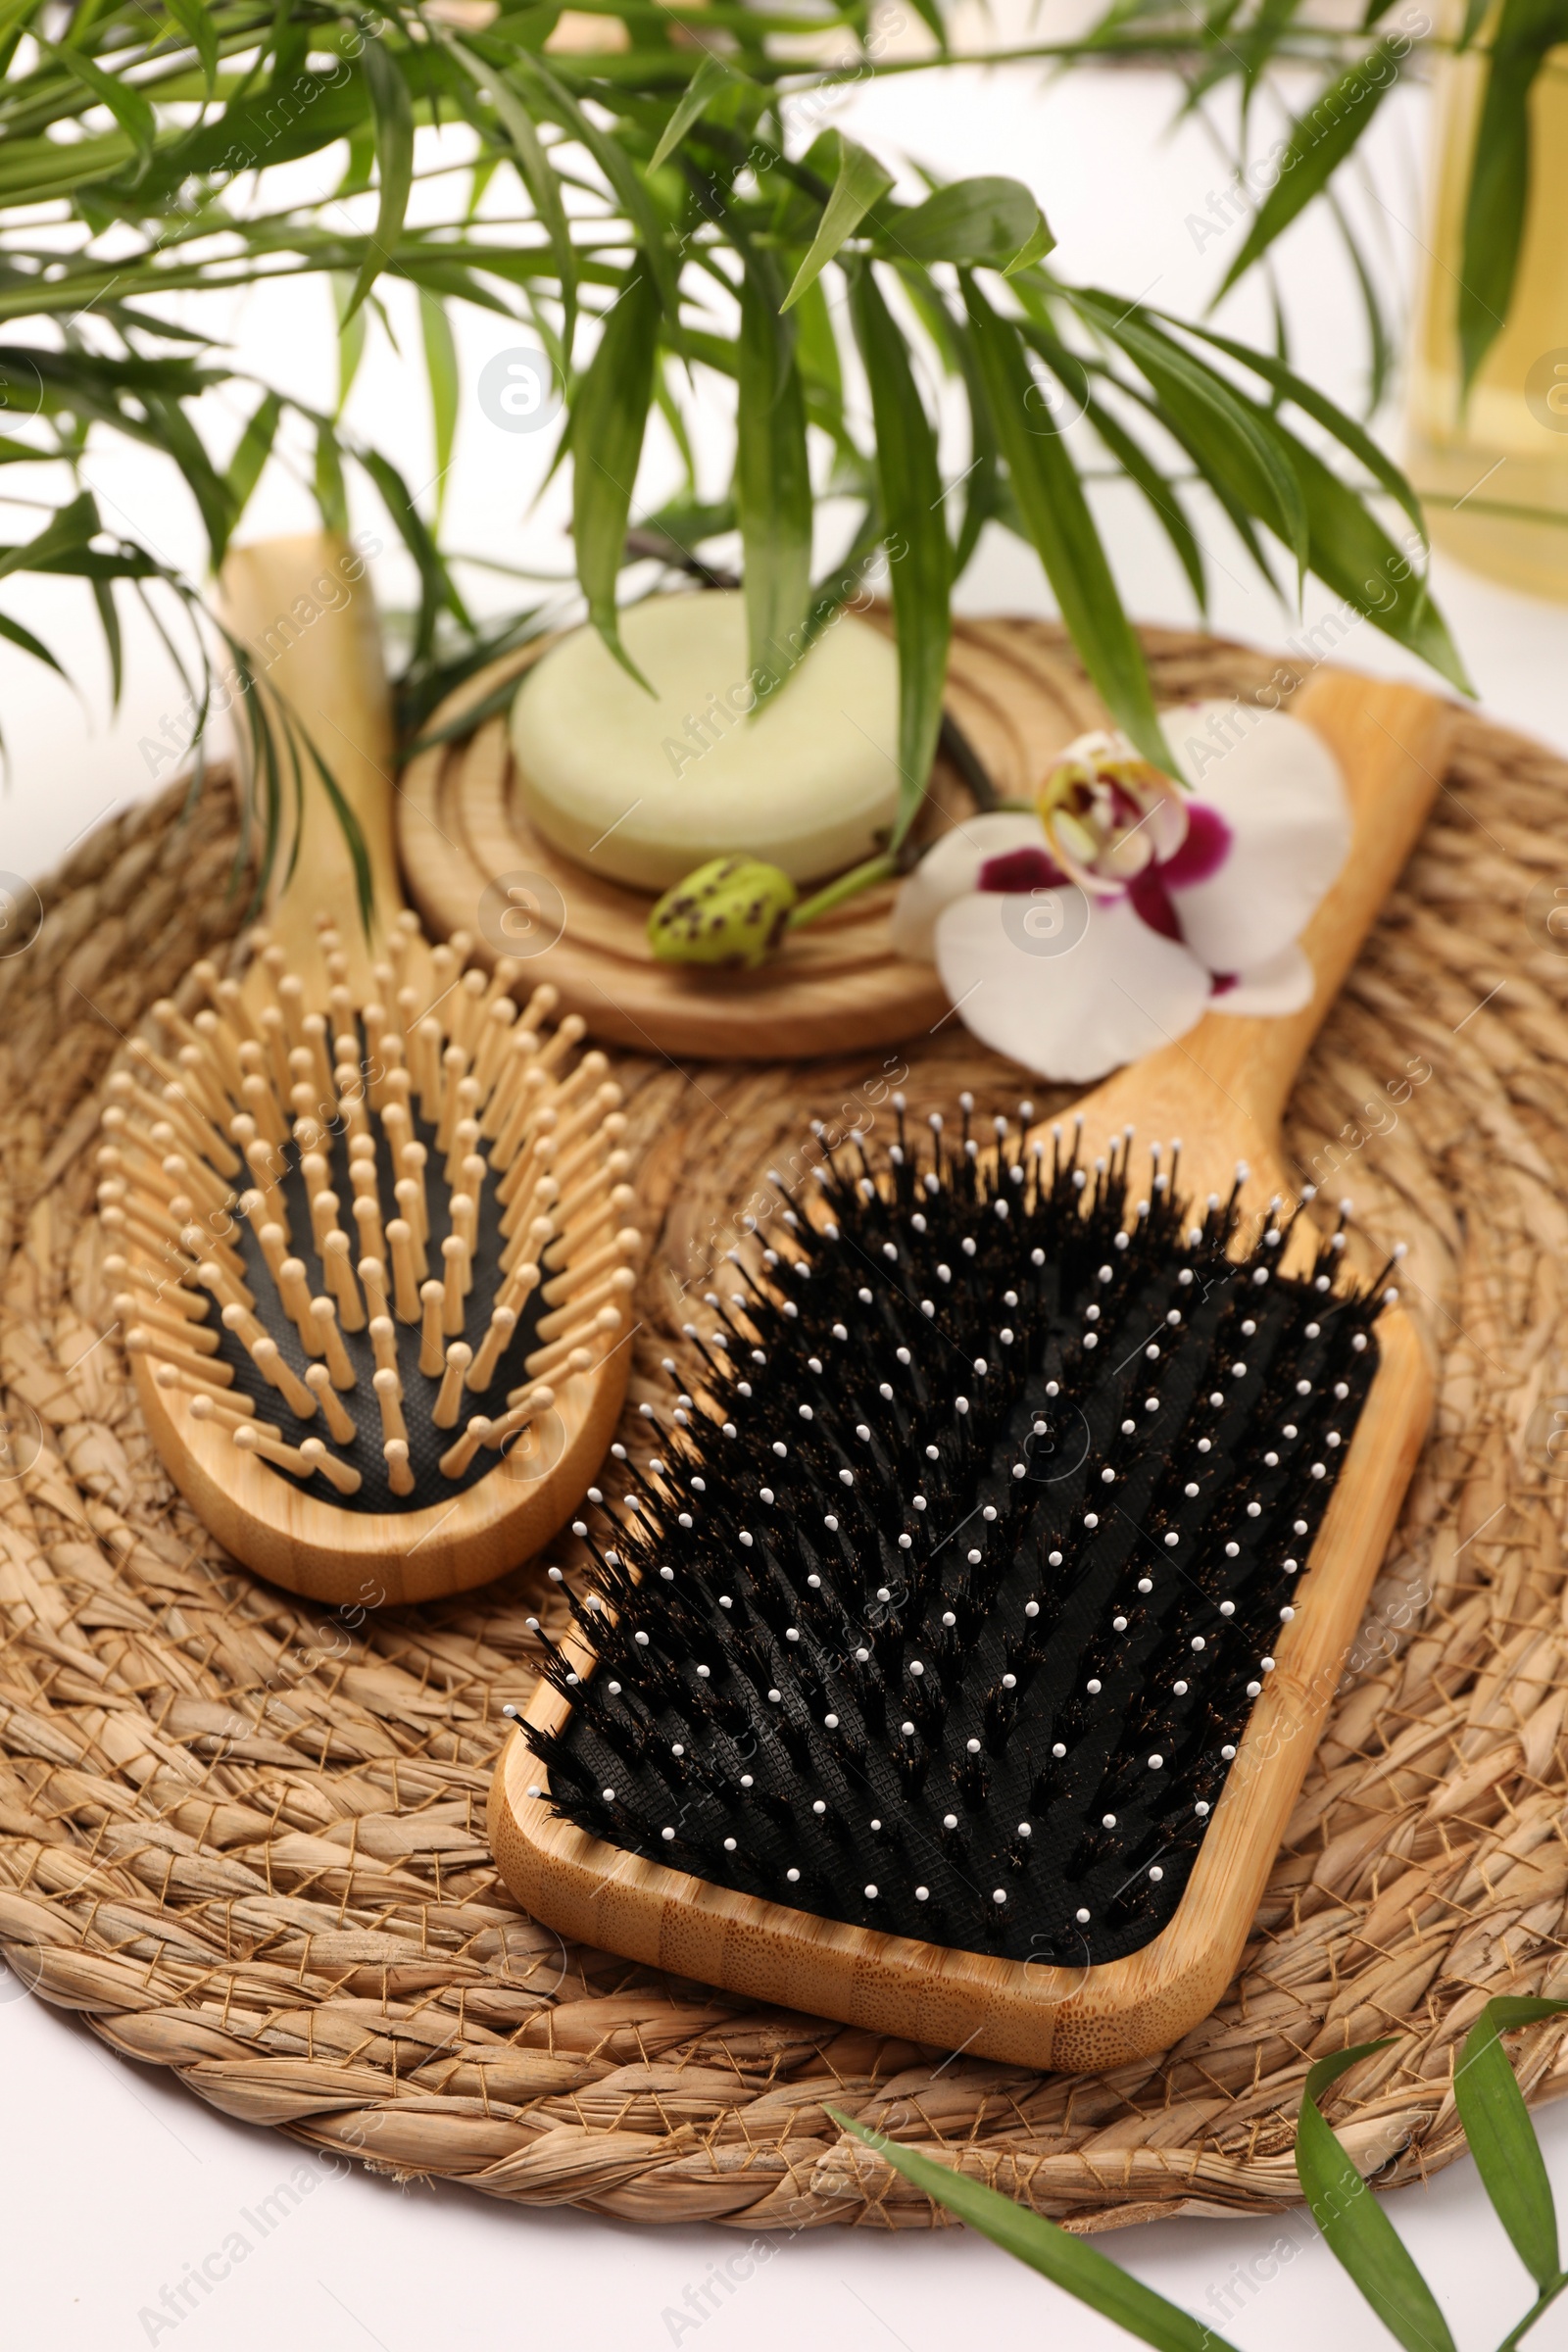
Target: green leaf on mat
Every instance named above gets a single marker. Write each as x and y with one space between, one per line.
1502 2139
1069 2262
1357 2231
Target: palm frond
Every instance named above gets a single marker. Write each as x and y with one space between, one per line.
643 209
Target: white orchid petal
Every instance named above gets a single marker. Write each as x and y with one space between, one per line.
1067 985
949 868
1168 824
1278 787
1283 985
1094 748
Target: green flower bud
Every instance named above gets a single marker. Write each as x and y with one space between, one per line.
731 910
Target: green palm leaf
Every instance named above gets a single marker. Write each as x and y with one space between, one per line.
919 558
1320 140
1056 515
713 74
123 100
254 448
610 418
628 183
1069 2262
535 169
1237 445
772 478
1502 2141
393 114
1499 178
861 181
441 370
684 158
992 220
1356 2228
196 23
331 490
1312 403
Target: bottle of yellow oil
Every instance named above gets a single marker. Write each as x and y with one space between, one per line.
1494 470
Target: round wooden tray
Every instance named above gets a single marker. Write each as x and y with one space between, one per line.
1013 693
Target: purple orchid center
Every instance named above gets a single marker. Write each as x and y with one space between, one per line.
1150 902
1203 850
1022 870
1201 853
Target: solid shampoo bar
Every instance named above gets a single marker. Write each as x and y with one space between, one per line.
643 787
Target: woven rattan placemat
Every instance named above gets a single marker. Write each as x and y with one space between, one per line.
244 1839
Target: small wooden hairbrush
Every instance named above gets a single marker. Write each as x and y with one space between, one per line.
367 1223
955 1668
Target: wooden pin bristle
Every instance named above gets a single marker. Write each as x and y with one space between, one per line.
340 1420
444 1412
432 1349
204 1405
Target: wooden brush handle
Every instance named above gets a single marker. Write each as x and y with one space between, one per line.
303 607
1223 1086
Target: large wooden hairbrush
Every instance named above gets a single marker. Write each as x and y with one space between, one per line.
957 1671
366 1222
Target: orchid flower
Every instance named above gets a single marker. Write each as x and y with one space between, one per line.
1107 919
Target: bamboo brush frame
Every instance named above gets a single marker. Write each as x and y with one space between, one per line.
1222 1089
304 1540
372 1559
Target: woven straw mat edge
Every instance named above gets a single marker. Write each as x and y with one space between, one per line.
247 1844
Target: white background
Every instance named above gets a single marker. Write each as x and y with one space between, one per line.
114 2180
